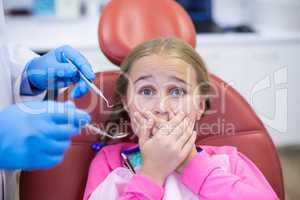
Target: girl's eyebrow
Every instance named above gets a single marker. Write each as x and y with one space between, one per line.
171 77
180 80
142 78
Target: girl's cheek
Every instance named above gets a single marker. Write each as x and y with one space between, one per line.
145 103
134 129
134 105
182 105
185 105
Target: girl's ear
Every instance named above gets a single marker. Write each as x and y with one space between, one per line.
201 109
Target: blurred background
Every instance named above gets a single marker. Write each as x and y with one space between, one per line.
254 45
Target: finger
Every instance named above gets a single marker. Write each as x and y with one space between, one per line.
157 120
80 89
136 124
65 70
181 129
78 60
182 140
172 115
62 132
51 161
71 116
190 123
50 107
176 120
155 130
54 147
149 115
75 79
189 145
168 127
69 104
145 131
139 118
191 126
60 83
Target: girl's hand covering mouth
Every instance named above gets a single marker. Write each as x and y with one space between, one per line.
165 145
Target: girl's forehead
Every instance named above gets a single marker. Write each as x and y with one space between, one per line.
157 65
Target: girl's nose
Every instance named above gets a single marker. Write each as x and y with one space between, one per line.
162 108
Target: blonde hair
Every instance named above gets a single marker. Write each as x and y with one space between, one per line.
170 47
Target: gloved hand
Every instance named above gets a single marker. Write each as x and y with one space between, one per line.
52 71
35 135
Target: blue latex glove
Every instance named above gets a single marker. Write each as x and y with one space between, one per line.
35 135
52 71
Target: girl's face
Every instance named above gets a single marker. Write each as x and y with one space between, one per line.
162 85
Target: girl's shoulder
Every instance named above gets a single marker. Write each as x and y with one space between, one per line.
230 154
213 150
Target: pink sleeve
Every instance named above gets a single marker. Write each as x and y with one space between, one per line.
99 169
142 188
139 187
209 180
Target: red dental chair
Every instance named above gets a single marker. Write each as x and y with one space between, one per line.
123 25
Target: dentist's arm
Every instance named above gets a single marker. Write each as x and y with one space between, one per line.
17 58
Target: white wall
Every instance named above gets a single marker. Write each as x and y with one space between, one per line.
266 73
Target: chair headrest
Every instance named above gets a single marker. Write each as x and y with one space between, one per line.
126 23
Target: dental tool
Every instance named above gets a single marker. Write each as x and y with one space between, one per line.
91 84
99 93
104 133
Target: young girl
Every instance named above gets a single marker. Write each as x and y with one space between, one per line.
162 90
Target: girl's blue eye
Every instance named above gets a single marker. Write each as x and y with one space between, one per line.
177 92
147 92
